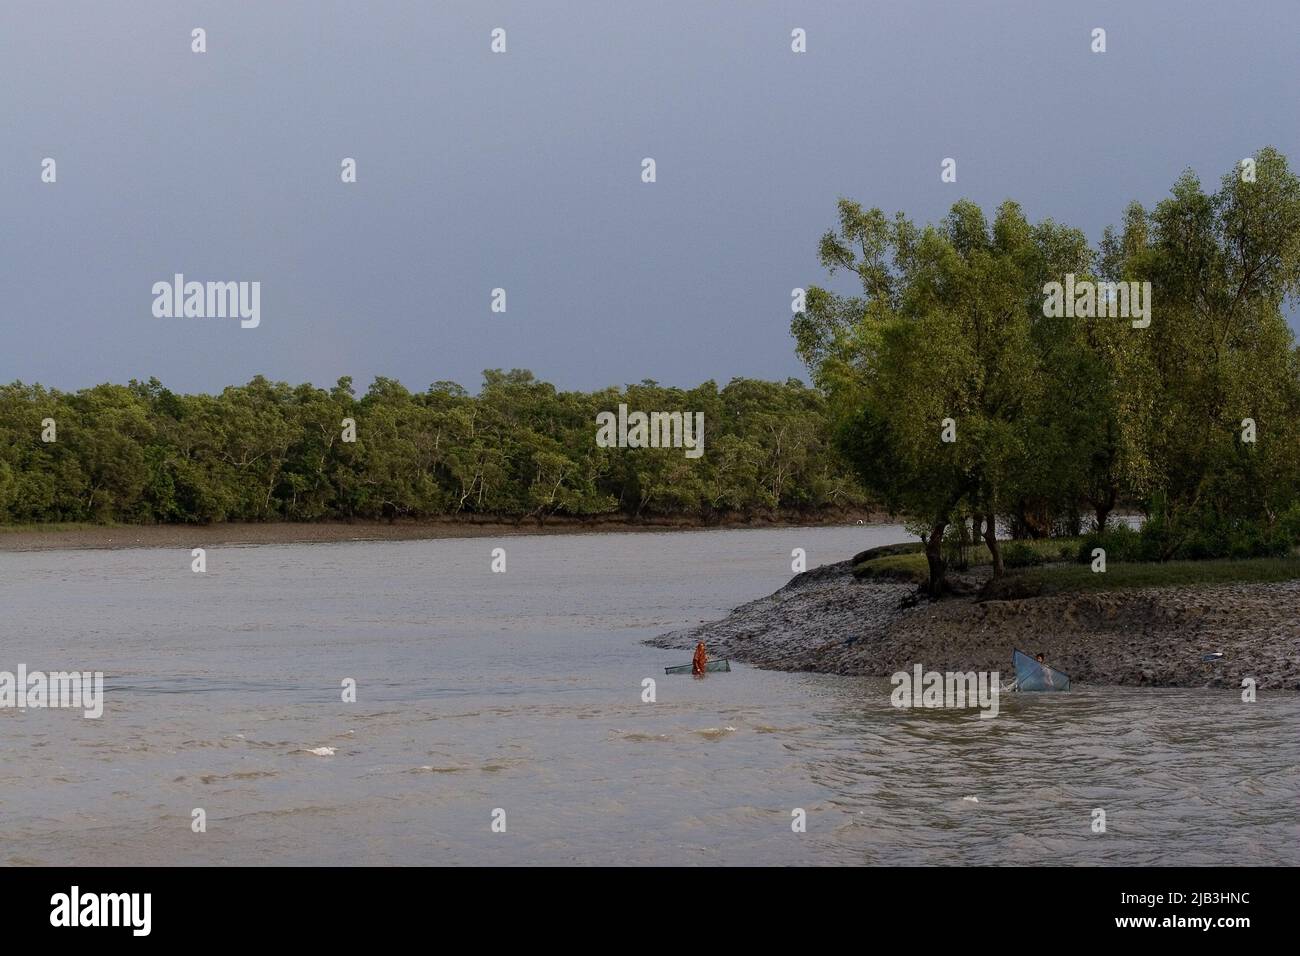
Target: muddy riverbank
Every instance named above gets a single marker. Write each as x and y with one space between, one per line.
826 621
79 537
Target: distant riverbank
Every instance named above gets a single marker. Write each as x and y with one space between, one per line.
828 621
81 536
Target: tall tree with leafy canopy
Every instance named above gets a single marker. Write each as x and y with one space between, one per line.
938 372
1222 268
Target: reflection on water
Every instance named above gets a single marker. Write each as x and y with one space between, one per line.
523 691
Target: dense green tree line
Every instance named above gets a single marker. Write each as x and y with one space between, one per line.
520 448
1053 421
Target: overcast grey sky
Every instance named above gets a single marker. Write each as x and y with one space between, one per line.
522 170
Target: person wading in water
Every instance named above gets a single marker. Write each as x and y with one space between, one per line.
700 660
1047 671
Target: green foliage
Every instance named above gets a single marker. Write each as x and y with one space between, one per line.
1019 554
1288 526
1120 542
910 565
1198 536
1064 578
1058 417
899 567
1216 535
520 448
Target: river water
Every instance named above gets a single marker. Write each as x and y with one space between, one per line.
521 692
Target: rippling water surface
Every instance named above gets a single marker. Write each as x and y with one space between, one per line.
522 691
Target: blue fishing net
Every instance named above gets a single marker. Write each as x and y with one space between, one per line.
1031 675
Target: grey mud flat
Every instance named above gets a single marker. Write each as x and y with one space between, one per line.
827 621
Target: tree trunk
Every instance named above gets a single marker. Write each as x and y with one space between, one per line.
1103 509
1103 515
966 531
1020 523
934 558
1073 522
1032 518
991 539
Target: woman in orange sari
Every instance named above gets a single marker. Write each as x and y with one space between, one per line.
700 660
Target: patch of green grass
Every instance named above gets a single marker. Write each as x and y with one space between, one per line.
913 566
899 567
1049 549
1064 575
888 550
1081 577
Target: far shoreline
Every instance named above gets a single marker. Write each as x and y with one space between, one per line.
96 537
